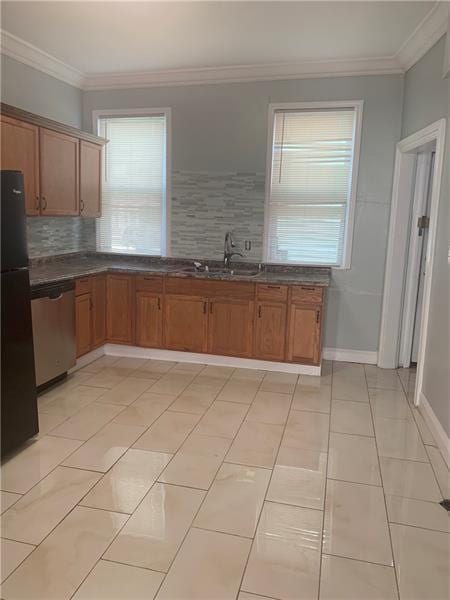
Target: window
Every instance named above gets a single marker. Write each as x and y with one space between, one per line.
134 190
313 151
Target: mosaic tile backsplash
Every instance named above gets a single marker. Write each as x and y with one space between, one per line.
59 235
207 205
204 207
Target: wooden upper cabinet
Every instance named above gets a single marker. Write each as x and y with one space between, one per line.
98 295
59 169
20 152
83 323
230 327
185 323
149 321
270 331
90 179
120 309
304 333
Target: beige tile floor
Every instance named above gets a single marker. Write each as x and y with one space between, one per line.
152 479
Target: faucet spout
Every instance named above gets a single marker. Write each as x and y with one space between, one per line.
228 252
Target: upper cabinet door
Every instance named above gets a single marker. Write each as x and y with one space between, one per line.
90 179
20 152
59 173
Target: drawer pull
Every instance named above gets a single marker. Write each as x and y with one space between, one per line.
306 287
274 287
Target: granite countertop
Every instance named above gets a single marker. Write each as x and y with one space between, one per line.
57 269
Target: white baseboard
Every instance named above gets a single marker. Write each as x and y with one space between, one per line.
344 355
209 359
435 427
88 358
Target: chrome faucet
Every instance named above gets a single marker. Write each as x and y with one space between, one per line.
228 250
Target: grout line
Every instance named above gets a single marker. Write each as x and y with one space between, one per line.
384 500
360 560
325 491
267 488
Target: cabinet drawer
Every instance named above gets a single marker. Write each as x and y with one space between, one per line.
269 291
307 294
82 286
147 283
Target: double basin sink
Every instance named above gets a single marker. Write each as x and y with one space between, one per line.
219 272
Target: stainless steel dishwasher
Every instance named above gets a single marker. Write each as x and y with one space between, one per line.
53 315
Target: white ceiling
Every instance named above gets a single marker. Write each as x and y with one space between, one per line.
128 37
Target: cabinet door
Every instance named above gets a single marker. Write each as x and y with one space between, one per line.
270 330
230 327
148 320
20 152
83 323
59 173
98 310
185 323
119 312
304 334
90 178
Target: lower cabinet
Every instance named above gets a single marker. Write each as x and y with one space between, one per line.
125 309
98 310
186 322
304 329
120 309
230 327
83 323
90 313
270 331
149 320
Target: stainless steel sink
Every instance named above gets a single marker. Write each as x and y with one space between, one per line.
220 271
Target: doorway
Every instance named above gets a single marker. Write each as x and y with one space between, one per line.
417 257
396 295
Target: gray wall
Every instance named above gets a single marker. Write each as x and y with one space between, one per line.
32 90
426 100
219 138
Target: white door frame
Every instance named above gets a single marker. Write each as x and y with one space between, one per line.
396 260
413 257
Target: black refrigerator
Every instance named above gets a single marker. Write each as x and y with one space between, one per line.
19 417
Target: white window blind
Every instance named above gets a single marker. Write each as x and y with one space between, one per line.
134 185
310 185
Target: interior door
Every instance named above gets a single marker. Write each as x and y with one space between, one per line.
59 164
20 152
418 237
230 327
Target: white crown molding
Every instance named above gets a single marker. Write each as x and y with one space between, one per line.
425 35
32 56
244 73
431 28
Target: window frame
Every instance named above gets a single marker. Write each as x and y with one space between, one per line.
166 236
357 106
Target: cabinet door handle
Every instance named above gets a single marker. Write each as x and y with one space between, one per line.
259 312
159 302
204 308
81 205
38 203
317 316
44 202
